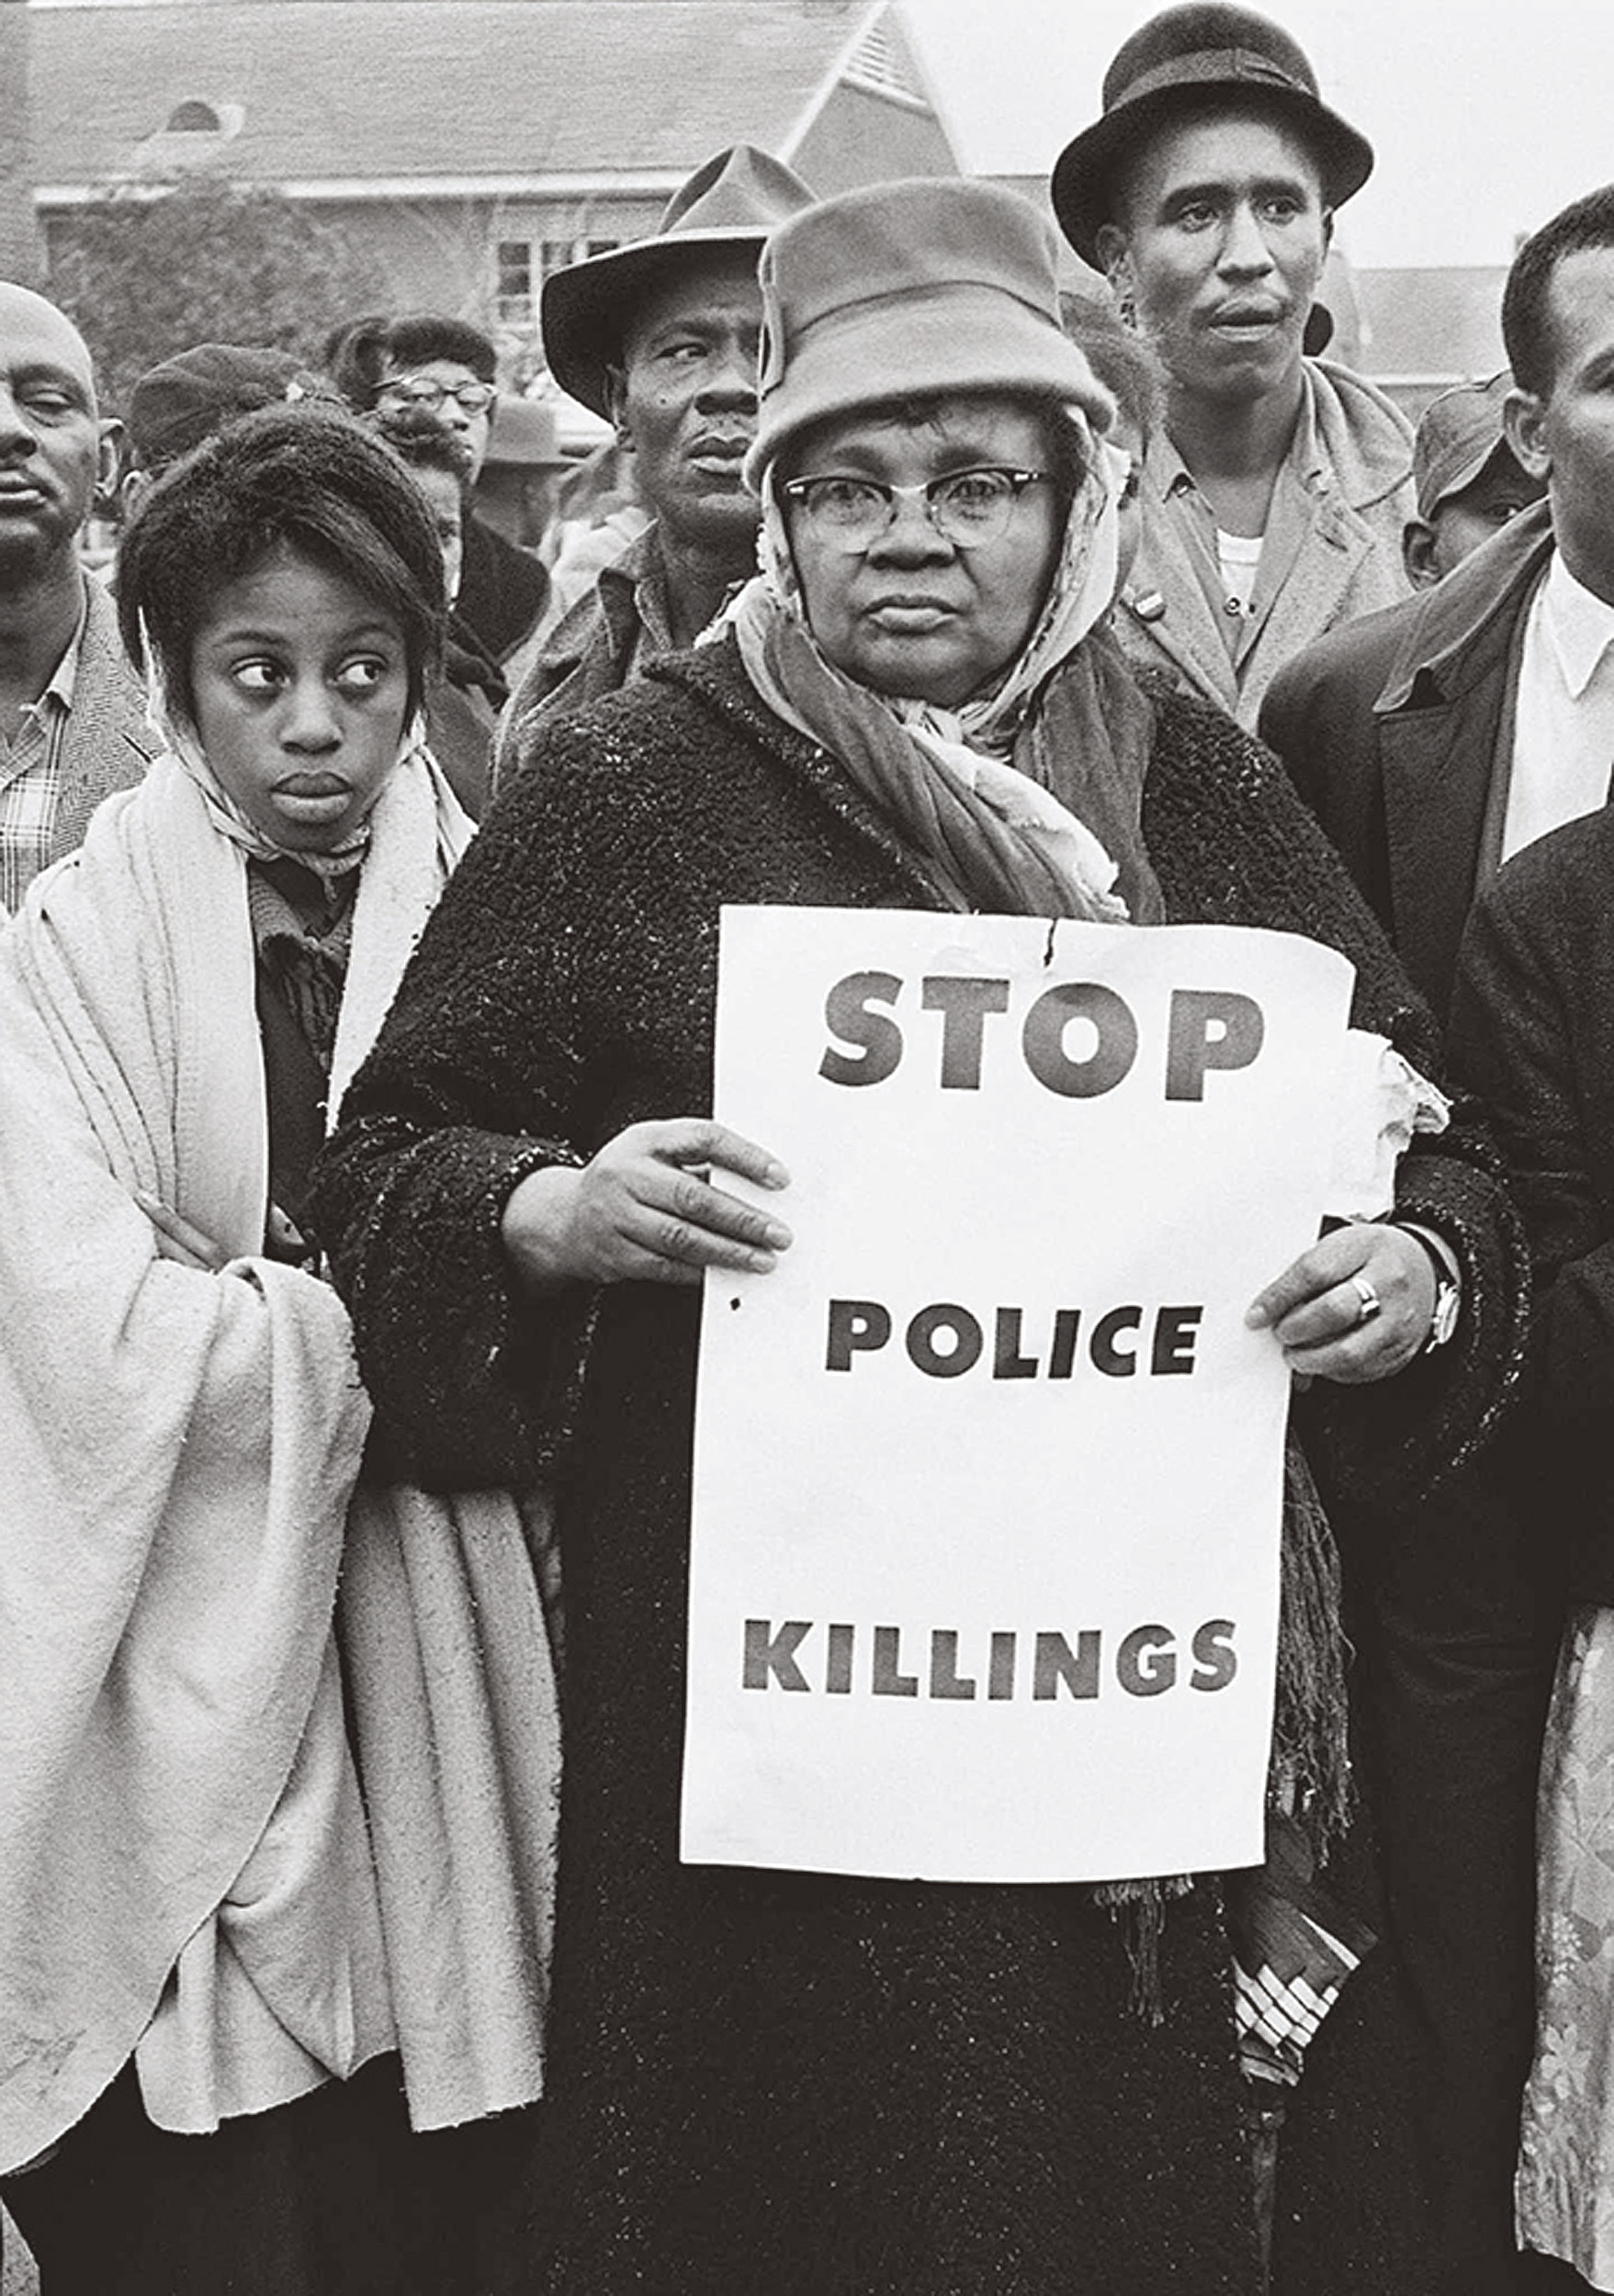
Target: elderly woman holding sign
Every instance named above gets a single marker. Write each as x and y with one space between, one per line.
793 2081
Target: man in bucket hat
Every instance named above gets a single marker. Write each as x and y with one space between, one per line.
661 337
1274 499
1469 482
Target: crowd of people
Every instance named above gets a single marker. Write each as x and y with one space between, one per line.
364 828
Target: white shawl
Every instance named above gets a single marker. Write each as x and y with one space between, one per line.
185 1871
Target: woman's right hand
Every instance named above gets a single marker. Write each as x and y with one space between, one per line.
642 1210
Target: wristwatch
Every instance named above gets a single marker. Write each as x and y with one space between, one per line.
1448 1285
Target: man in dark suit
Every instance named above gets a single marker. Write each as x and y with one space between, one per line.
71 713
1433 742
1436 737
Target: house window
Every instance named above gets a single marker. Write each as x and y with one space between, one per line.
524 265
194 119
515 282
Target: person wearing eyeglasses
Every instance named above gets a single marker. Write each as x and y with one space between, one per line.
446 371
778 2080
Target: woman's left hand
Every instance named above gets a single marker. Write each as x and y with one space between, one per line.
177 1240
1320 1309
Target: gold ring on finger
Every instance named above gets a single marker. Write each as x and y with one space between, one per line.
1369 1303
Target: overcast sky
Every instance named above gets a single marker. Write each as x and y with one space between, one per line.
1486 119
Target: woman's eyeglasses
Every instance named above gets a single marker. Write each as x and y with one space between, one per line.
426 390
967 508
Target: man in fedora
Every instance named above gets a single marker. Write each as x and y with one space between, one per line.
516 490
1274 499
661 337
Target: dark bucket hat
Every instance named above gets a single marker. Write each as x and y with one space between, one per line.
1180 56
186 398
733 200
1459 434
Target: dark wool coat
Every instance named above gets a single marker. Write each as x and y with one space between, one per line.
1393 729
503 591
1533 1021
787 2084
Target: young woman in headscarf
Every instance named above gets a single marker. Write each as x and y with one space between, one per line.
263 1901
786 2081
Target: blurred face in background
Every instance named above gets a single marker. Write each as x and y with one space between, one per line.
443 388
1461 522
445 500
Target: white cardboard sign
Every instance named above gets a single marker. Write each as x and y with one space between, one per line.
988 1470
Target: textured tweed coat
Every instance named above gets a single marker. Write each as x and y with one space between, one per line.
106 743
784 2084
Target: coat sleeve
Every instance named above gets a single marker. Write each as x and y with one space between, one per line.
479 1077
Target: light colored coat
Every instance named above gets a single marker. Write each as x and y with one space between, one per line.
1348 562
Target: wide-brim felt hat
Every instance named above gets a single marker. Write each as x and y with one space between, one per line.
525 435
731 202
1182 57
906 290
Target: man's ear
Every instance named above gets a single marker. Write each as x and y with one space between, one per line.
1418 553
616 400
1116 259
1524 418
132 489
111 455
1111 245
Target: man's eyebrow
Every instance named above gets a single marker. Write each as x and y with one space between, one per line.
1222 187
680 323
61 378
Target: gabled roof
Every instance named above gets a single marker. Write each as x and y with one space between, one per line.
466 94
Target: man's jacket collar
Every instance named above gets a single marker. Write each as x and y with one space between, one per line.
1464 622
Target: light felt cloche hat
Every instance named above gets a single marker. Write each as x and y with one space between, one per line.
906 290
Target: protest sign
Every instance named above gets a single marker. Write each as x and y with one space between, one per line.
988 1470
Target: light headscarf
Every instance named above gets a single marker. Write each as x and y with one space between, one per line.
180 739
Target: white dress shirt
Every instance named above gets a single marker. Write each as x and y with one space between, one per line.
1563 728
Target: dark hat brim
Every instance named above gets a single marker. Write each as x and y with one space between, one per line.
1085 172
583 310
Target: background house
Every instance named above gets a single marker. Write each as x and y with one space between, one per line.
468 147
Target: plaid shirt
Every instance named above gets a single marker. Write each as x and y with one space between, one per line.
30 780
